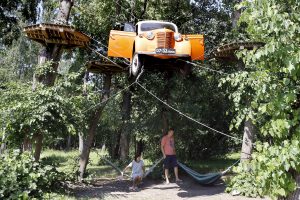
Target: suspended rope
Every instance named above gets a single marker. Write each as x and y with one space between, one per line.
185 115
152 168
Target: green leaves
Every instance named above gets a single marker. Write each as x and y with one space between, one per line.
269 95
21 177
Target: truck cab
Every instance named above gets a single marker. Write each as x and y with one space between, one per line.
152 41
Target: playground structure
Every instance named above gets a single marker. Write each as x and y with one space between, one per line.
68 37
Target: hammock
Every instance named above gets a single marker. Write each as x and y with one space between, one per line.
120 171
205 179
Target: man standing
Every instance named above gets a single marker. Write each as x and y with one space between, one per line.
169 153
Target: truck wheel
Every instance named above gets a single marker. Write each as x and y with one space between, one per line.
136 64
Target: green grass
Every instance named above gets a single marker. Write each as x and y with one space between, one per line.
216 164
68 162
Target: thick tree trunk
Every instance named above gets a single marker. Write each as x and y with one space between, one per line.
125 130
51 53
80 143
88 140
248 138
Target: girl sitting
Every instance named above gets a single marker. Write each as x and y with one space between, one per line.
138 170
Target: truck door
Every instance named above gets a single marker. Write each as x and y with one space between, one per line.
121 42
197 45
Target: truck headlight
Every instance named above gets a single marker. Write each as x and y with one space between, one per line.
150 35
178 37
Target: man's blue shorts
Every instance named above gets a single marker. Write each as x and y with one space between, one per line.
170 161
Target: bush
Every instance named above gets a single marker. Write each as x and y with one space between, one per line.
22 177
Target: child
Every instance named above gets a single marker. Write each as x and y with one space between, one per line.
138 170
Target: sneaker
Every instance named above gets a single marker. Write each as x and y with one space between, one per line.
179 181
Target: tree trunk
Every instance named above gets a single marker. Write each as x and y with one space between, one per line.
80 139
140 147
236 14
116 147
125 129
166 96
88 140
3 144
38 146
69 143
249 129
295 195
248 138
27 146
51 52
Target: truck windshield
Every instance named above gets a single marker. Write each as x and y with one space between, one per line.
152 26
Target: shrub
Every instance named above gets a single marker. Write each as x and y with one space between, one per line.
22 177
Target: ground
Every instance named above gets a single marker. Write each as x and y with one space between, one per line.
153 189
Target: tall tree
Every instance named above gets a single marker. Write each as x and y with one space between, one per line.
249 129
51 53
87 140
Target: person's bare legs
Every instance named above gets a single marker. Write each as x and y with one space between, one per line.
176 173
167 176
135 182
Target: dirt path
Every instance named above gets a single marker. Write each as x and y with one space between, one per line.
154 190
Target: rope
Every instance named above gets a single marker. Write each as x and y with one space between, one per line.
185 115
209 69
153 166
114 166
127 11
225 171
102 56
112 96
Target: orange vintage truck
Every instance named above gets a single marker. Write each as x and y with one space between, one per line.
155 44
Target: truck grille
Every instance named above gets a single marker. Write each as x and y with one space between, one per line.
165 40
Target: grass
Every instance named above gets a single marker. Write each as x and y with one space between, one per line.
216 164
68 162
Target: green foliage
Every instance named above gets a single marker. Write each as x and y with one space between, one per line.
268 173
267 92
12 13
21 177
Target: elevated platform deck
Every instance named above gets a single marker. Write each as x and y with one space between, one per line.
57 34
101 67
227 52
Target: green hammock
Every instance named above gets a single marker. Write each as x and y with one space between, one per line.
205 179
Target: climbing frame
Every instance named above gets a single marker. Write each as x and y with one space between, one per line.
57 34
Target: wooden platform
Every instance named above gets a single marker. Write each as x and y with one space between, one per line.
57 34
101 67
227 52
